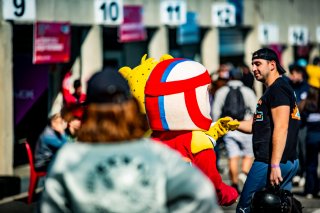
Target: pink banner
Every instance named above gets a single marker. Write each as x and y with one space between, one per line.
51 42
132 28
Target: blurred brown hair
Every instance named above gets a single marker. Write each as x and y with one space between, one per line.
103 123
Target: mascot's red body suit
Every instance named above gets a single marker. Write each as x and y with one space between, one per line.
178 109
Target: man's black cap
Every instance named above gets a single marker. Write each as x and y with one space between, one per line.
107 86
270 55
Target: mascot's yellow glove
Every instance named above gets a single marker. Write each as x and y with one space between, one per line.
233 125
221 127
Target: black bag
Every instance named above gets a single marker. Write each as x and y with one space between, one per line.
234 105
275 200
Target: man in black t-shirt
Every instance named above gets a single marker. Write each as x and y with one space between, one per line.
274 126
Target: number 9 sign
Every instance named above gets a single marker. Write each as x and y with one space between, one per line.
24 10
108 12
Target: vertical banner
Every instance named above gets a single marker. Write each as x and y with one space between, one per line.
189 33
30 82
51 42
278 48
239 5
132 28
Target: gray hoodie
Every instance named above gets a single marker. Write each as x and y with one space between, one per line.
136 176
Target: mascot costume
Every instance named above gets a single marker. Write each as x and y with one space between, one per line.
174 95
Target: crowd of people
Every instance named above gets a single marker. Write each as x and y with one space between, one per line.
145 139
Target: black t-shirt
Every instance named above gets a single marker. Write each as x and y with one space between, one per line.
278 94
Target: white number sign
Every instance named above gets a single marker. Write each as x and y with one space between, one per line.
298 35
173 12
268 34
24 10
223 15
108 12
318 34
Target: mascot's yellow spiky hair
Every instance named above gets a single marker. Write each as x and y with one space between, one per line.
138 76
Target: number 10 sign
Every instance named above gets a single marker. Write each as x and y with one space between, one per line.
108 12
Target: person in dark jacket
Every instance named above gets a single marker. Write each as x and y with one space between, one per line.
50 141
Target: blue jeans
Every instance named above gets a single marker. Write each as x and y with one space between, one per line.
258 178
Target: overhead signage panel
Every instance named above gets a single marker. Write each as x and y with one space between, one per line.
268 34
19 10
108 12
223 14
173 12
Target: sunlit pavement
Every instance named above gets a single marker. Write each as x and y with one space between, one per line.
17 204
309 205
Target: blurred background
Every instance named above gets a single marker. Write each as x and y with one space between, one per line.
43 40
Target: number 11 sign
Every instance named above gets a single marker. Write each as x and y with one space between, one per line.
173 12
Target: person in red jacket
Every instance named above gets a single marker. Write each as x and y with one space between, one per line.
73 100
178 110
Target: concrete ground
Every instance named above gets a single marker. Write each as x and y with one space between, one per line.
309 205
17 203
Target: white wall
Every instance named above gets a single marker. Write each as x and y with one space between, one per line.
6 97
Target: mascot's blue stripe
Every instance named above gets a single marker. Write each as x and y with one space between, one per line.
169 68
162 113
164 77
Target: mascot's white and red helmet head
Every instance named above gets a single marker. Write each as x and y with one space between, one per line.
177 97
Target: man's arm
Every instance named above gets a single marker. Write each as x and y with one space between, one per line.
246 126
280 117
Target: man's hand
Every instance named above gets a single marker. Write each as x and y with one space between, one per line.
221 127
275 176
